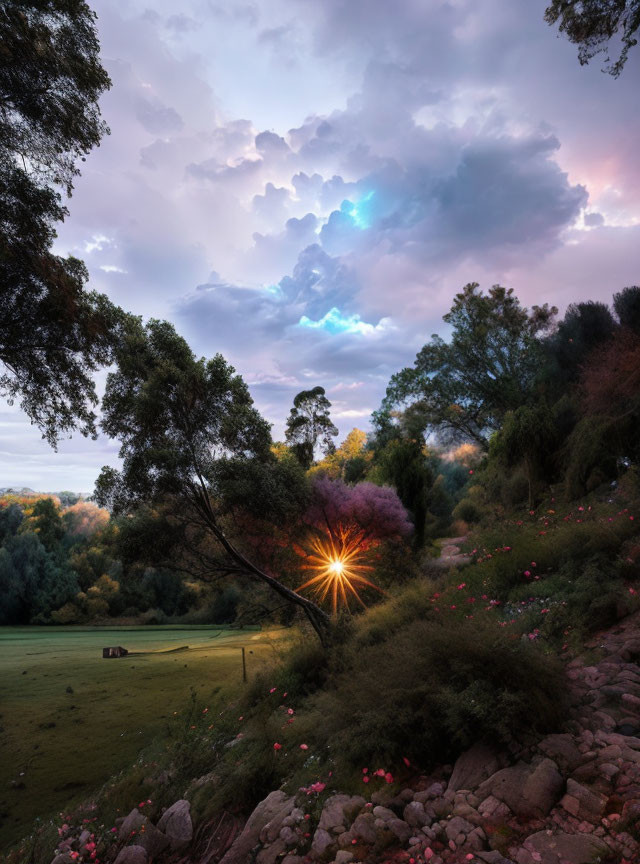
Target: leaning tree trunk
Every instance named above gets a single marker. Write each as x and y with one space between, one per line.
318 618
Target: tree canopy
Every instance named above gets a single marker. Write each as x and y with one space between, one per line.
193 446
462 389
309 425
592 24
54 333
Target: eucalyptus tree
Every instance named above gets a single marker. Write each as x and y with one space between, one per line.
194 448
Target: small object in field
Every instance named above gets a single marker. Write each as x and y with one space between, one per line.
69 689
118 651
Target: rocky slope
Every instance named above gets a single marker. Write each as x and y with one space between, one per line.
571 798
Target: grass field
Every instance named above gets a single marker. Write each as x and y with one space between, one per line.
69 719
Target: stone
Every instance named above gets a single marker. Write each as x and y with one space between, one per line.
132 855
530 791
383 813
399 828
322 841
176 823
276 806
415 815
471 768
332 812
343 857
288 836
561 848
364 828
145 833
292 859
65 858
271 853
131 824
582 802
563 751
456 827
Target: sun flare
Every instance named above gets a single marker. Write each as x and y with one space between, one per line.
338 570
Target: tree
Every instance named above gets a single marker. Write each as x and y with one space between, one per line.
462 389
627 307
403 464
527 435
309 424
192 445
591 24
53 333
584 328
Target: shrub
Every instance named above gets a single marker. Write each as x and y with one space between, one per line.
430 690
467 510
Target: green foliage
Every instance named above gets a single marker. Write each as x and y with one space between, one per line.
591 459
461 684
591 24
463 388
402 464
309 425
54 334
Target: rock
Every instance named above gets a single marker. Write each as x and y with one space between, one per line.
561 848
399 828
583 803
65 858
288 836
530 791
271 853
415 815
131 824
145 833
292 859
340 810
472 767
383 813
132 855
563 751
275 806
322 841
364 828
493 857
456 827
176 824
343 857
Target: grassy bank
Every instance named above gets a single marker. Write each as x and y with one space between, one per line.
70 719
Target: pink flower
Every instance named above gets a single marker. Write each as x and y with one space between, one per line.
304 746
290 711
527 573
273 690
462 585
365 779
284 695
317 787
205 711
277 746
388 778
406 762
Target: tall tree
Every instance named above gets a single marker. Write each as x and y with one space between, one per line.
463 388
592 24
309 425
53 333
192 446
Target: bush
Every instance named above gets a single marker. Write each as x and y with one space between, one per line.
467 510
430 690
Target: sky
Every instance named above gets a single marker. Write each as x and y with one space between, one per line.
303 186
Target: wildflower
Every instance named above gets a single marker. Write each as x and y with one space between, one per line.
284 695
380 772
388 777
632 591
533 564
527 573
304 746
406 762
462 585
273 690
277 746
205 711
290 711
317 787
365 779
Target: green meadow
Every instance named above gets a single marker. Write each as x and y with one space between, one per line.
70 719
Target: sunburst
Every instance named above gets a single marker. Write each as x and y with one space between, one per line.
338 568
